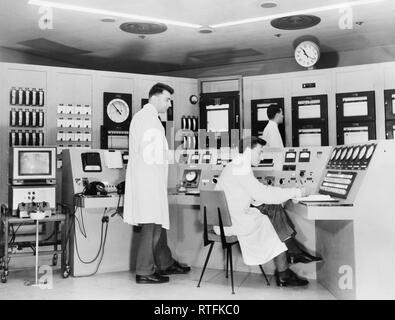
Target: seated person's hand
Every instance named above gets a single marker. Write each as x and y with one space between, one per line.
300 192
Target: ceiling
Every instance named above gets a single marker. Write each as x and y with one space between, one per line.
82 39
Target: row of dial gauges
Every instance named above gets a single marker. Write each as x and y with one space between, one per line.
351 157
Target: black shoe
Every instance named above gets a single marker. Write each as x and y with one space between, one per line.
288 278
293 258
311 257
176 268
152 278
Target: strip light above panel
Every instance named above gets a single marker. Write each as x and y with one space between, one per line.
64 6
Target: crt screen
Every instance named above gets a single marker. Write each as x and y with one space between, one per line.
34 163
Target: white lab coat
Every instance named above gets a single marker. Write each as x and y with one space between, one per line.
272 136
258 240
146 174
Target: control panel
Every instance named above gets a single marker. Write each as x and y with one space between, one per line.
293 167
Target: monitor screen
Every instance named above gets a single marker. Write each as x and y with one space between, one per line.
34 163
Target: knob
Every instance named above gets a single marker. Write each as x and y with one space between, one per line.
281 181
301 173
269 182
215 180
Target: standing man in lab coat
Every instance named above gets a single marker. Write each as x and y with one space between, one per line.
258 240
276 213
271 134
146 202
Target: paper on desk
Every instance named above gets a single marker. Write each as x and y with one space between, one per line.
113 159
315 198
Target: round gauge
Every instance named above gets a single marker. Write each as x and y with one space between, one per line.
349 153
369 152
193 99
355 153
118 110
343 153
333 154
339 151
190 176
362 153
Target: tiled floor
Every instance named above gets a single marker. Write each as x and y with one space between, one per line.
122 285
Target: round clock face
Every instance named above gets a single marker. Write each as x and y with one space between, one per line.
307 54
118 110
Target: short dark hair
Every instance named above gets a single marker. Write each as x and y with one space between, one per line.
272 110
159 88
250 142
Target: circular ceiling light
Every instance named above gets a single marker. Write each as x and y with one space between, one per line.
295 22
143 27
206 29
269 4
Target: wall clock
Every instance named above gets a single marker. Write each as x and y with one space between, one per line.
307 53
117 110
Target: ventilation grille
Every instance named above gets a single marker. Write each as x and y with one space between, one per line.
45 45
295 22
143 27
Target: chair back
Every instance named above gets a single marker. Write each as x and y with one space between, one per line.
214 204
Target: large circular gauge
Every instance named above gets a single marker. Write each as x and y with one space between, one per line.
190 176
339 151
349 153
355 153
343 153
369 152
362 153
333 154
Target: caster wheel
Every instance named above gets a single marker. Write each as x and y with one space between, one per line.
55 260
3 279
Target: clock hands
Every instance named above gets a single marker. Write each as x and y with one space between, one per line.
116 109
304 51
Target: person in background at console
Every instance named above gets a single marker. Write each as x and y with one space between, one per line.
276 213
146 202
271 134
258 240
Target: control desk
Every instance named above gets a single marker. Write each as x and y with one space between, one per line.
346 218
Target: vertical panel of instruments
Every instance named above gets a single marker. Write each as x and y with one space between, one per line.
389 98
310 121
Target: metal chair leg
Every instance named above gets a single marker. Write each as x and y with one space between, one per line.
205 263
227 262
264 274
231 268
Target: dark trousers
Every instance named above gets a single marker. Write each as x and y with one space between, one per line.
279 219
153 252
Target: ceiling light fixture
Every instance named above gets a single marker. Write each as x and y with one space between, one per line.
101 12
269 4
294 13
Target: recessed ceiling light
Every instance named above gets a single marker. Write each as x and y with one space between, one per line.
66 6
277 35
108 20
298 12
206 30
269 4
360 23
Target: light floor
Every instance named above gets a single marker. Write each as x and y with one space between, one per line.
122 286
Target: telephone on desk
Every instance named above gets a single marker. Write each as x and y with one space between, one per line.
95 188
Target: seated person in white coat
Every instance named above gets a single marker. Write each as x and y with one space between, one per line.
258 239
276 213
